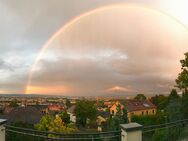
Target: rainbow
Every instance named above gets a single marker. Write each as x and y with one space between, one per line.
100 9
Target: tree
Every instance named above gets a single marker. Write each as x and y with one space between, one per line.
185 104
1 110
147 120
174 113
54 124
160 135
85 110
65 117
110 124
113 123
14 103
182 84
45 123
182 80
68 103
140 97
121 114
100 103
160 101
173 95
174 106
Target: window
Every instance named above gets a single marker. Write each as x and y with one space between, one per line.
113 112
142 112
146 112
153 111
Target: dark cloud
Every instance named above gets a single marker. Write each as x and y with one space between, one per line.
95 77
5 66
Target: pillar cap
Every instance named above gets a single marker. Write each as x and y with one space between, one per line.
131 127
3 121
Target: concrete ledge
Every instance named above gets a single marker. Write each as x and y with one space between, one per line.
3 121
2 129
131 127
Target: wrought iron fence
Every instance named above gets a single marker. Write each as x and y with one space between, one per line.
25 134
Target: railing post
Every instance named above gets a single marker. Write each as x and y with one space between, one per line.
131 132
2 129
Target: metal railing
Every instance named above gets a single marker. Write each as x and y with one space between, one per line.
25 134
172 131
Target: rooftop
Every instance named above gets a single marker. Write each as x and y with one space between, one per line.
136 105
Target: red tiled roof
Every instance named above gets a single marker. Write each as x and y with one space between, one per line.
54 107
136 105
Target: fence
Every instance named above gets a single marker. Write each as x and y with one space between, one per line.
24 134
172 131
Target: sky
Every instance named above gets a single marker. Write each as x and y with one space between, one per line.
118 47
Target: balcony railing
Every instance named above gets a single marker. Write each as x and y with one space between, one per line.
173 131
24 134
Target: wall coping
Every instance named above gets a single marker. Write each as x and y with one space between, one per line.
131 127
3 121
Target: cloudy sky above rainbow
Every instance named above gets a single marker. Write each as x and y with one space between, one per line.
90 48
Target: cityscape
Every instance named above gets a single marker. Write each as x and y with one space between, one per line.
111 70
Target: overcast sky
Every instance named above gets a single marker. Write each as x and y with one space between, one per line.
118 50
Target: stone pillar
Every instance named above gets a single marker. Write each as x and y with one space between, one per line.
2 129
131 132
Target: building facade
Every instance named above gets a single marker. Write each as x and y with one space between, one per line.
139 108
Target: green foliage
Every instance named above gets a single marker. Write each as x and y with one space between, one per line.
68 103
175 132
160 101
54 124
184 133
146 120
45 123
159 135
113 123
65 117
173 95
121 114
92 124
173 108
100 103
185 105
1 110
140 97
14 103
182 84
85 110
182 80
173 111
177 108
